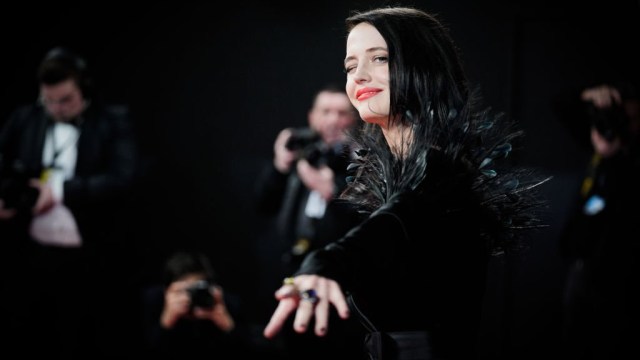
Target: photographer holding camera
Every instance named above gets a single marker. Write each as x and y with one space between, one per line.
191 315
308 170
296 191
600 240
67 168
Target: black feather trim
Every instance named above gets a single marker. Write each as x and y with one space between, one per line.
480 140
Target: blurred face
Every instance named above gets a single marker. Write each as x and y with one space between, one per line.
62 101
367 68
331 115
192 277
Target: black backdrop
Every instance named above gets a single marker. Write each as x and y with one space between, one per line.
209 88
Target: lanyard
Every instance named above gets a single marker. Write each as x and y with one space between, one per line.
69 142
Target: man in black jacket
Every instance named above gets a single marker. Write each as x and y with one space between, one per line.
308 170
599 241
66 166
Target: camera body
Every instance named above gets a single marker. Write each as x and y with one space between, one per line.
15 190
309 146
301 138
610 122
200 294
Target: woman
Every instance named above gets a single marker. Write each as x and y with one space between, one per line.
438 205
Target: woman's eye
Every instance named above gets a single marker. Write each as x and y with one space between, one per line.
349 69
380 59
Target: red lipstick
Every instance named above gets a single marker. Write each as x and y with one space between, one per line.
366 93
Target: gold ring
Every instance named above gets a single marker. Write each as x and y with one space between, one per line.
291 288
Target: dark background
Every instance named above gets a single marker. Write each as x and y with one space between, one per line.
209 89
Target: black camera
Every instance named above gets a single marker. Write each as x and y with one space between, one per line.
301 138
610 122
200 294
15 190
309 146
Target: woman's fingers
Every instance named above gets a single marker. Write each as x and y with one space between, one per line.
284 309
336 297
306 309
322 309
311 303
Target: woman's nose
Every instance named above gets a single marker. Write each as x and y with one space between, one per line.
361 74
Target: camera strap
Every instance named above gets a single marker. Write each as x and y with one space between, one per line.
59 156
589 180
69 141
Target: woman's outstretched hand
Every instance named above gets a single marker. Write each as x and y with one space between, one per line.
308 296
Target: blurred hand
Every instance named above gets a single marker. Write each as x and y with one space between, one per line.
283 157
604 147
176 303
218 314
601 96
320 179
328 293
6 214
45 200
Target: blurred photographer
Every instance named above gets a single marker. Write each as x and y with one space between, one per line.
600 239
190 314
308 170
67 169
296 192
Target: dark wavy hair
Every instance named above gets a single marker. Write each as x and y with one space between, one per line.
429 93
424 64
184 263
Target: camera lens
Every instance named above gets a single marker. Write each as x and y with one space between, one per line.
610 122
200 294
301 138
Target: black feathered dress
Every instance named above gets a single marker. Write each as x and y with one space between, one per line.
435 216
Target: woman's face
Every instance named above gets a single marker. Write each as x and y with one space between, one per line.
367 68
